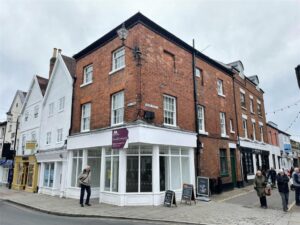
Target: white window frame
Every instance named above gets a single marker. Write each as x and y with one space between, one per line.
251 105
259 112
231 126
51 109
33 136
59 135
88 74
114 153
243 94
253 131
220 87
197 72
61 104
48 167
223 124
36 111
168 111
245 128
117 108
118 61
261 133
48 138
86 117
201 120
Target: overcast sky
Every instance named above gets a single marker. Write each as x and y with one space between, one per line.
264 35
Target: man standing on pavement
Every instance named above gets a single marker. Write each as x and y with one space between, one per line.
85 184
283 188
296 183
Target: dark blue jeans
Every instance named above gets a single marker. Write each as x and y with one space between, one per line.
88 191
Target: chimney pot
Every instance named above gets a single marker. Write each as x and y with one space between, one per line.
54 53
59 51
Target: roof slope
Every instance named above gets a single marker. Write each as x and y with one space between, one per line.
70 63
139 18
43 82
22 95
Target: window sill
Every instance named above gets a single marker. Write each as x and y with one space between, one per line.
253 113
203 132
224 175
61 110
260 116
244 108
84 131
170 125
116 70
222 95
86 84
224 136
117 124
232 132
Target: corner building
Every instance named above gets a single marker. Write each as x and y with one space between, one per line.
145 85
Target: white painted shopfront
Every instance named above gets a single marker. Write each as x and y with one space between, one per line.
157 159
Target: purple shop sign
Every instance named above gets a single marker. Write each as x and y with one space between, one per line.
119 138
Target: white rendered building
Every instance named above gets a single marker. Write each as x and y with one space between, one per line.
55 125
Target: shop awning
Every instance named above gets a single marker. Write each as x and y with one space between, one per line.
6 163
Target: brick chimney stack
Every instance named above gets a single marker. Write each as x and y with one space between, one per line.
52 61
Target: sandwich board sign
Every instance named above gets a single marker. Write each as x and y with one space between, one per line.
203 188
170 198
188 194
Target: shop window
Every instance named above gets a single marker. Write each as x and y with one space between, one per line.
76 167
48 174
94 161
249 162
174 167
117 108
139 169
30 175
223 162
20 172
111 170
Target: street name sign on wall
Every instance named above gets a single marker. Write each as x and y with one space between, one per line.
119 138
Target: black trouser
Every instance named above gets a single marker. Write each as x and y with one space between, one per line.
88 191
285 200
297 195
263 201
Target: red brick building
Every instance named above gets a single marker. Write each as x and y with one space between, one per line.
145 87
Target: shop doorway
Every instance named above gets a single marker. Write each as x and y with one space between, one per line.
233 166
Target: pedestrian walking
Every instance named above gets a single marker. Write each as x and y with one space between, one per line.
296 184
260 184
272 176
283 188
85 185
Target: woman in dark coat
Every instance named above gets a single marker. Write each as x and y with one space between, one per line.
260 184
283 188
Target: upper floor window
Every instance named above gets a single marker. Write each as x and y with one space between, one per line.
198 72
48 138
261 130
223 124
201 121
36 111
243 99
61 104
117 108
26 116
51 109
118 59
220 87
85 116
251 105
9 128
253 131
88 74
33 136
59 135
169 110
259 109
231 126
245 128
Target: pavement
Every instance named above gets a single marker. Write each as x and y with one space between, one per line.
222 209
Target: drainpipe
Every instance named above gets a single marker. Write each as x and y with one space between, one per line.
197 149
237 126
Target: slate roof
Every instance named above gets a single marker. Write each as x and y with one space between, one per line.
43 82
139 18
71 64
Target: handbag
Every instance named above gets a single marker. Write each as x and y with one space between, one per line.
268 190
